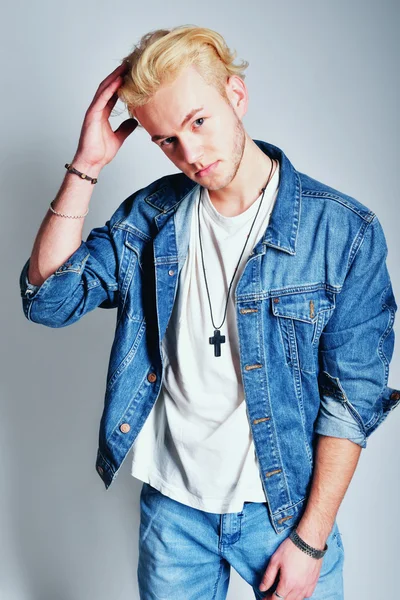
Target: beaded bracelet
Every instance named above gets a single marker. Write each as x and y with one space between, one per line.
72 169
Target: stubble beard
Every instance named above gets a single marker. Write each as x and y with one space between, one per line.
239 144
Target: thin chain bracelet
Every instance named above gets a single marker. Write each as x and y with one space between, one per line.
69 216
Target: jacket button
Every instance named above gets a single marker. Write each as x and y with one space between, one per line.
395 395
125 427
171 272
100 470
276 300
151 377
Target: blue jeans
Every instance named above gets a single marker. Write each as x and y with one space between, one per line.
186 553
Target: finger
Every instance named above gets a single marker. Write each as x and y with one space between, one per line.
116 75
269 577
120 70
309 591
110 105
273 596
100 100
290 595
294 595
125 129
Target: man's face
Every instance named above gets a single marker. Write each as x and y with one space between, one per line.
195 139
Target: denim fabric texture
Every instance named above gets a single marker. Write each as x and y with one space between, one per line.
315 312
185 552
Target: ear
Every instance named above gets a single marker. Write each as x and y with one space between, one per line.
237 94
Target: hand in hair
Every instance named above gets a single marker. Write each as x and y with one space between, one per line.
98 143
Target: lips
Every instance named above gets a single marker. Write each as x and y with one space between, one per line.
206 170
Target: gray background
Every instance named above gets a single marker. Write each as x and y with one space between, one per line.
324 86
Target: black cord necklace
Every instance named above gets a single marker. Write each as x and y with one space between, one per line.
217 339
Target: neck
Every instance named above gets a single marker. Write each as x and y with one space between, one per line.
246 186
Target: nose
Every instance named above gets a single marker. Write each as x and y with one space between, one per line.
191 151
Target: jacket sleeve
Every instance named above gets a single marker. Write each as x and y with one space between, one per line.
87 279
356 346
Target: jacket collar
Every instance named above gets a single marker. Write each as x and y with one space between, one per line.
281 232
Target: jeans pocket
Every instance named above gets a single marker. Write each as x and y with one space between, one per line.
339 541
337 538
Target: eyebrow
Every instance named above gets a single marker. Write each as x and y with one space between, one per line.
189 116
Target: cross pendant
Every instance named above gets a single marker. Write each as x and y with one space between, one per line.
217 339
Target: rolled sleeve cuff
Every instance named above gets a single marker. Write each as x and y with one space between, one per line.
334 419
27 288
73 264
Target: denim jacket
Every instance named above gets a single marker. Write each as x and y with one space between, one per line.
315 312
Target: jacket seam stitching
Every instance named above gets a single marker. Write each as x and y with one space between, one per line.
357 243
384 335
368 217
288 506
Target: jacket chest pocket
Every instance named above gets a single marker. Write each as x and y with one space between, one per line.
300 319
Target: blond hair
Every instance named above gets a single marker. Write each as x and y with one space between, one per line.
162 54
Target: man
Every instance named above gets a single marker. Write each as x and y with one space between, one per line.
254 330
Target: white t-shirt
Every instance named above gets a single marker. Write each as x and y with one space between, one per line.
196 444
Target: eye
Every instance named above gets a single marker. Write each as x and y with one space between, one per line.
165 142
